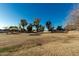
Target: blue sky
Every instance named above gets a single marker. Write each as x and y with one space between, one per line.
10 14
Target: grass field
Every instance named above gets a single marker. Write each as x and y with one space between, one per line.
43 44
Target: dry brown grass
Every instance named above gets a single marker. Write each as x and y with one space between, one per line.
48 44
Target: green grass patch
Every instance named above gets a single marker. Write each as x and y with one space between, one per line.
10 49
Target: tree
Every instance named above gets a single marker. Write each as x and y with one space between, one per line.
36 23
29 28
23 23
49 25
52 29
60 28
41 28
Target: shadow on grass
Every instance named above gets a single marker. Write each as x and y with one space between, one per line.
10 49
35 34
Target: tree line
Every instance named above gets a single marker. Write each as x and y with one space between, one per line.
24 26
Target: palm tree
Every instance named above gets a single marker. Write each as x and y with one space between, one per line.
23 23
36 23
49 25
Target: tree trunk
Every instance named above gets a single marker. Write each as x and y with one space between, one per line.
37 28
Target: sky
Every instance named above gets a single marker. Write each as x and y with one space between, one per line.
12 13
